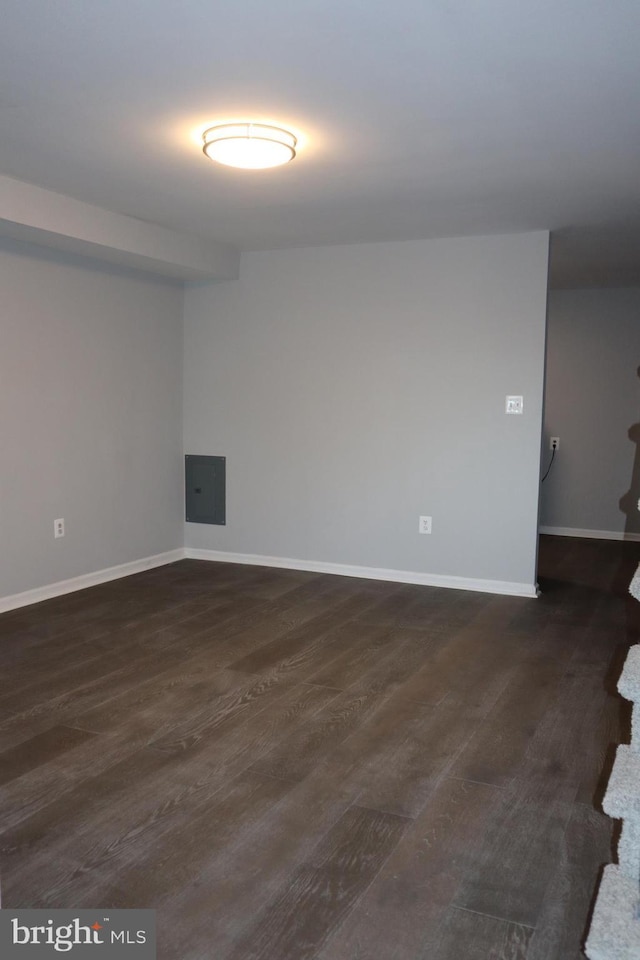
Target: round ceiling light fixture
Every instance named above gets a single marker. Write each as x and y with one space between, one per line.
251 146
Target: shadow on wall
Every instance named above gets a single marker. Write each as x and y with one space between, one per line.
629 502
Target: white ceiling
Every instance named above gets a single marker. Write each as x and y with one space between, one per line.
419 118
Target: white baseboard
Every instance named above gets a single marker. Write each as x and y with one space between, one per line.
505 587
47 592
16 600
590 534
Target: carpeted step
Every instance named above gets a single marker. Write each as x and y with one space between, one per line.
615 926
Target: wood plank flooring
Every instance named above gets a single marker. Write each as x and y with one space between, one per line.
290 766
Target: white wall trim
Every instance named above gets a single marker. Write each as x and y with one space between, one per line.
12 602
590 534
505 587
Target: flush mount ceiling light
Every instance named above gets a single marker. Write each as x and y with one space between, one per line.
252 146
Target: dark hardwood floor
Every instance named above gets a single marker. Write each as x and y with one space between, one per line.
290 766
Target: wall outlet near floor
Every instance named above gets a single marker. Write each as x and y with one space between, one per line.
424 525
58 528
554 443
514 404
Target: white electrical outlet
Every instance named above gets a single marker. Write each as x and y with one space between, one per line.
554 443
424 525
58 528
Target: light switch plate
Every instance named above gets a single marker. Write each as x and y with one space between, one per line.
514 405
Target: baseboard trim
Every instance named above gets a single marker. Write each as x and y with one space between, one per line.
12 602
503 587
590 534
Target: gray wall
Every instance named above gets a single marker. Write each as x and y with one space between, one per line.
592 401
90 416
353 388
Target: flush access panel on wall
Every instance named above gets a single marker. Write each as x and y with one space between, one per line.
205 489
